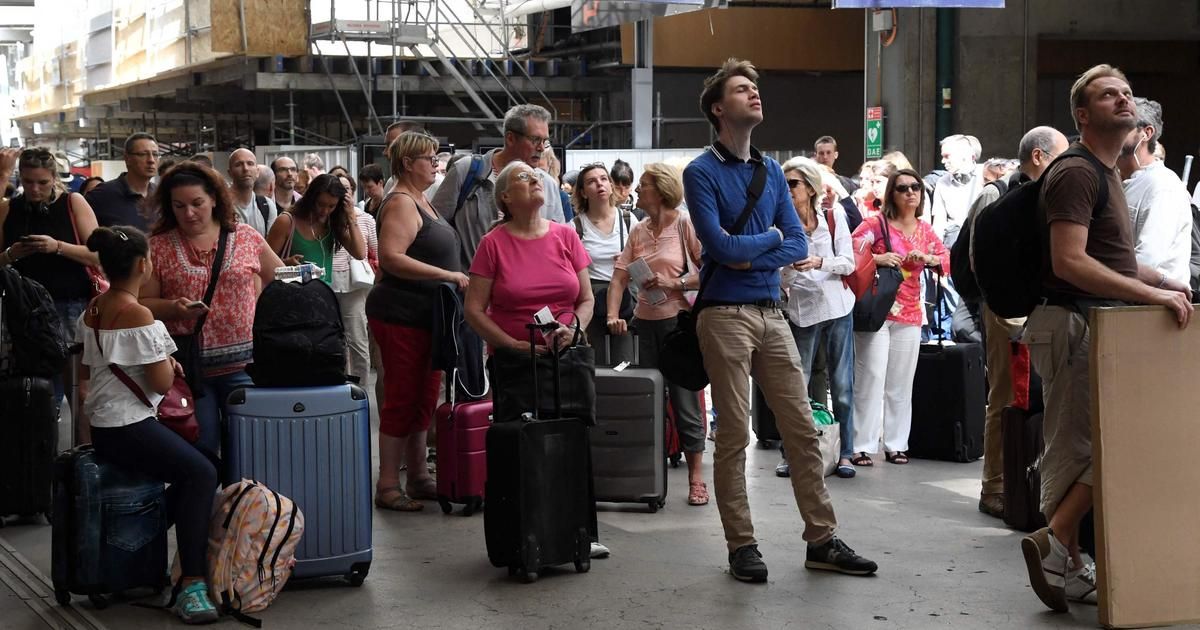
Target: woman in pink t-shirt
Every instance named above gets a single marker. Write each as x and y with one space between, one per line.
885 361
526 263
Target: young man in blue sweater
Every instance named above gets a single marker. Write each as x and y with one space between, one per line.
742 330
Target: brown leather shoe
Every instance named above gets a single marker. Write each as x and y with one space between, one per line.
992 504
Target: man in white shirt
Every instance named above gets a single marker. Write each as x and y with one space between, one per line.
957 189
1159 205
256 211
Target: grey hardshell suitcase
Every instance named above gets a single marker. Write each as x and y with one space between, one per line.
629 461
312 444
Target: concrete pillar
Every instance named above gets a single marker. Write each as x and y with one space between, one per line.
642 86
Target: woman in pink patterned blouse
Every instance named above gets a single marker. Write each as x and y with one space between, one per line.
196 212
885 361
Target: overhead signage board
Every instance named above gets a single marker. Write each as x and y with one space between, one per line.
918 4
592 14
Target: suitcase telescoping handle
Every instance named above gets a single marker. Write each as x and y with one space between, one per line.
637 358
537 390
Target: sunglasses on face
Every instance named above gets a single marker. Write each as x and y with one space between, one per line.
793 183
907 188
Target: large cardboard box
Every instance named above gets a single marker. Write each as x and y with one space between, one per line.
1145 425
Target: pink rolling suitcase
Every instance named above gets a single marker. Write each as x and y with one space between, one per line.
462 452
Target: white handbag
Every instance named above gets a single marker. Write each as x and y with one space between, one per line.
362 276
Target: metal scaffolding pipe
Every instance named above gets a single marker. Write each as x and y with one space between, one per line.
525 8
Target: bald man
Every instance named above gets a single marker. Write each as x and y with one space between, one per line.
257 211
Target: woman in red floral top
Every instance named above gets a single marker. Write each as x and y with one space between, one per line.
196 210
885 361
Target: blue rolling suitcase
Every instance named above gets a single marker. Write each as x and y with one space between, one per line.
312 444
109 529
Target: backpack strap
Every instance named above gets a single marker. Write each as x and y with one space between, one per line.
829 223
1101 174
470 182
263 208
758 181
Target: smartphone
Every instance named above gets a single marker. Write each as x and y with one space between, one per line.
26 239
196 304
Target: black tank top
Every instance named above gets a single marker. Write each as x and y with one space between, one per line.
410 302
63 278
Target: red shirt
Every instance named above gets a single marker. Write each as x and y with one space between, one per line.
183 272
529 274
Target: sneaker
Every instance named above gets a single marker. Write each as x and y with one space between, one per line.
1081 586
599 551
745 564
782 469
992 504
836 555
1047 561
192 605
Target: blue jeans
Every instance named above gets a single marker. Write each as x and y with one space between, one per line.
837 335
68 314
211 406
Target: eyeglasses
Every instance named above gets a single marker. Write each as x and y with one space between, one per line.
145 155
525 176
793 183
538 141
432 159
907 188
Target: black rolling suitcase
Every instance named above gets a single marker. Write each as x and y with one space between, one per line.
29 424
949 397
540 510
763 419
1023 445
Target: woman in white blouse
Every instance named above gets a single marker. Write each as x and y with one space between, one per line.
117 330
352 299
604 230
819 304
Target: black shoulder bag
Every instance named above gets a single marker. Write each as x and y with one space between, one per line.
872 308
190 346
679 357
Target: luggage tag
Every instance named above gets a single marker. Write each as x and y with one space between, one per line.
620 367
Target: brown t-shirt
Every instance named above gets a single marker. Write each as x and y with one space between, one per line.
1069 193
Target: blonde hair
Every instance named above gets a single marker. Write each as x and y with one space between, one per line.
410 144
668 182
1079 97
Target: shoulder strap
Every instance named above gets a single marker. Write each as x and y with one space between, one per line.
287 245
263 208
214 274
758 181
682 242
887 235
470 182
829 223
623 230
71 214
1101 174
121 374
578 221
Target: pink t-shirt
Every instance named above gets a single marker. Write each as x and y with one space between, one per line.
664 255
529 274
907 309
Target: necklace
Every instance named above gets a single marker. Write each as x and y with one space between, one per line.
319 241
126 291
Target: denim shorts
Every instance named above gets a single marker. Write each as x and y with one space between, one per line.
68 315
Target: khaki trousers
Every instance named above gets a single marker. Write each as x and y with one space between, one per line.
998 335
743 341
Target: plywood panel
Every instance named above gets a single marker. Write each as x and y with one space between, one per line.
774 39
273 27
1144 408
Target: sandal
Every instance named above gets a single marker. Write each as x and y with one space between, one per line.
396 499
845 471
698 494
862 460
899 457
423 490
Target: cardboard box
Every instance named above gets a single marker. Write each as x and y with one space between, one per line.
1145 423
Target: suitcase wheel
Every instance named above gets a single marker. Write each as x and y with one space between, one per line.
62 596
99 601
675 460
653 505
583 566
768 444
356 578
472 505
583 551
446 507
529 577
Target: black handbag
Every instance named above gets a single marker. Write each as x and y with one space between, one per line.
679 357
872 308
560 384
188 348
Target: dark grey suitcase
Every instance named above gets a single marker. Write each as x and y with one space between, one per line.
629 459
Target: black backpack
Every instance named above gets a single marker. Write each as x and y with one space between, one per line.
960 255
1011 253
31 341
299 340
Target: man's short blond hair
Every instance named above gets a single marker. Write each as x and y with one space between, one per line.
1079 97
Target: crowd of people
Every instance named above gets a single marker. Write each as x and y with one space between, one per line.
187 251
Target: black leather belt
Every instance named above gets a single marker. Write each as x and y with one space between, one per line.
764 303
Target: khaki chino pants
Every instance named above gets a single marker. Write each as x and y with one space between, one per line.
743 341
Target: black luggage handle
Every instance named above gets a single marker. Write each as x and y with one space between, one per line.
637 359
537 391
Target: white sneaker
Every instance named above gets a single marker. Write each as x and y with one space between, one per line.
1081 585
599 551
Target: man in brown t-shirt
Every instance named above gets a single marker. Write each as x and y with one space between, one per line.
1092 262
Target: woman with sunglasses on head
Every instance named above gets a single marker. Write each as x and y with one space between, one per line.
311 230
418 251
196 212
819 304
886 360
43 232
667 242
604 230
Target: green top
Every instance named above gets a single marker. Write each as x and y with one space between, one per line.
318 252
